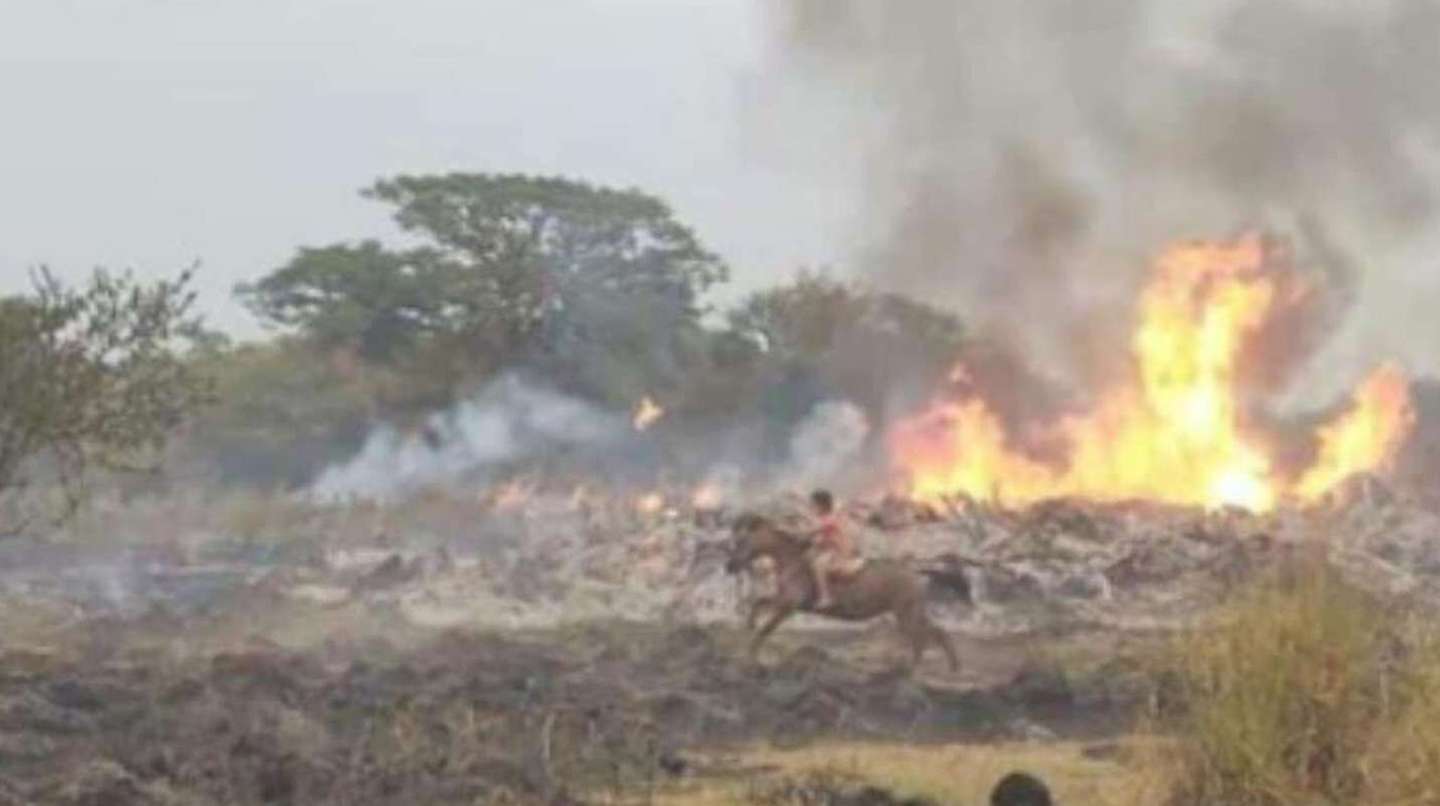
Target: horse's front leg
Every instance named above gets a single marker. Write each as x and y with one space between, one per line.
782 612
758 604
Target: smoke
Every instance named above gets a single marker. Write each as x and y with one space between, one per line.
825 447
517 425
508 421
1023 160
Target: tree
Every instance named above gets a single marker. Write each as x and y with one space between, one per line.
92 379
285 411
822 337
362 297
814 317
800 320
511 269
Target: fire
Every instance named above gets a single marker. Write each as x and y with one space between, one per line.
650 503
579 497
512 495
1360 437
706 496
1177 431
646 413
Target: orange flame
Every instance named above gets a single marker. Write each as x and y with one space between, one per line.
650 503
706 496
1360 438
646 413
1175 433
512 495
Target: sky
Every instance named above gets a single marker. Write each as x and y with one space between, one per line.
155 134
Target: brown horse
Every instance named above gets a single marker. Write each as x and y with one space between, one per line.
879 587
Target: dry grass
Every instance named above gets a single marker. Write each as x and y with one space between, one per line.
946 773
1308 691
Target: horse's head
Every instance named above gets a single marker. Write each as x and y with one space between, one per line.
751 535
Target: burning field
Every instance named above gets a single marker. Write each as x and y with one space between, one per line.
526 601
544 645
475 521
447 618
1214 334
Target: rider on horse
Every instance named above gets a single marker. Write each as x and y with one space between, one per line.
832 552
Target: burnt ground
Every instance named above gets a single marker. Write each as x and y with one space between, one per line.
118 716
555 656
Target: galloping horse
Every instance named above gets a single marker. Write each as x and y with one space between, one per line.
879 587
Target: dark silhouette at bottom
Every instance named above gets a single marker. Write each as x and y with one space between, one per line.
1020 789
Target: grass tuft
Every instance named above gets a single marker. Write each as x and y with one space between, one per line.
1308 691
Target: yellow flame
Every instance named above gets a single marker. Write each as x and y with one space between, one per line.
1174 433
650 503
1360 438
646 413
706 496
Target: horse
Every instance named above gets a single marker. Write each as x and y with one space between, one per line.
878 587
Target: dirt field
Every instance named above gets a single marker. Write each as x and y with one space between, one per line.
271 652
162 709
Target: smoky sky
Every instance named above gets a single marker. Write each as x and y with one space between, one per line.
154 133
1021 160
1018 160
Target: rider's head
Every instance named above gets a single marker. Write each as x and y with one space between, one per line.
823 501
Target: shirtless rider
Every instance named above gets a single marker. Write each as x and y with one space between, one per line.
831 548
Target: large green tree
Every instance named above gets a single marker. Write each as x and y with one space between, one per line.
817 336
505 269
90 378
816 318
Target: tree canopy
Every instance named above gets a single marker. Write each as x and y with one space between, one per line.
91 378
837 338
507 268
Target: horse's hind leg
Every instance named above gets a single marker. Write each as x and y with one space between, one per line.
922 632
907 619
939 636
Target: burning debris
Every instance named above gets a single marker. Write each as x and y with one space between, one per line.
638 598
647 413
1184 428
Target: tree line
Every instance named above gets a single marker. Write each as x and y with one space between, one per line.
601 292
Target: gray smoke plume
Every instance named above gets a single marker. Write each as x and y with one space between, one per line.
507 421
825 445
1022 160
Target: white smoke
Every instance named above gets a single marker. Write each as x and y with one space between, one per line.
825 447
508 420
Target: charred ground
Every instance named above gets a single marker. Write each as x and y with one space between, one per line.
545 654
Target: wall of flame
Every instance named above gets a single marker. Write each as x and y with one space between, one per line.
1177 430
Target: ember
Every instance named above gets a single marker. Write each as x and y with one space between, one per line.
706 496
512 494
647 412
650 503
1177 431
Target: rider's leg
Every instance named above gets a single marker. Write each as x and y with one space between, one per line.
820 568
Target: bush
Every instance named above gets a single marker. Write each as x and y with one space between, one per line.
285 409
1308 691
91 379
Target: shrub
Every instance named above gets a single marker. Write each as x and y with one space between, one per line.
1307 690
